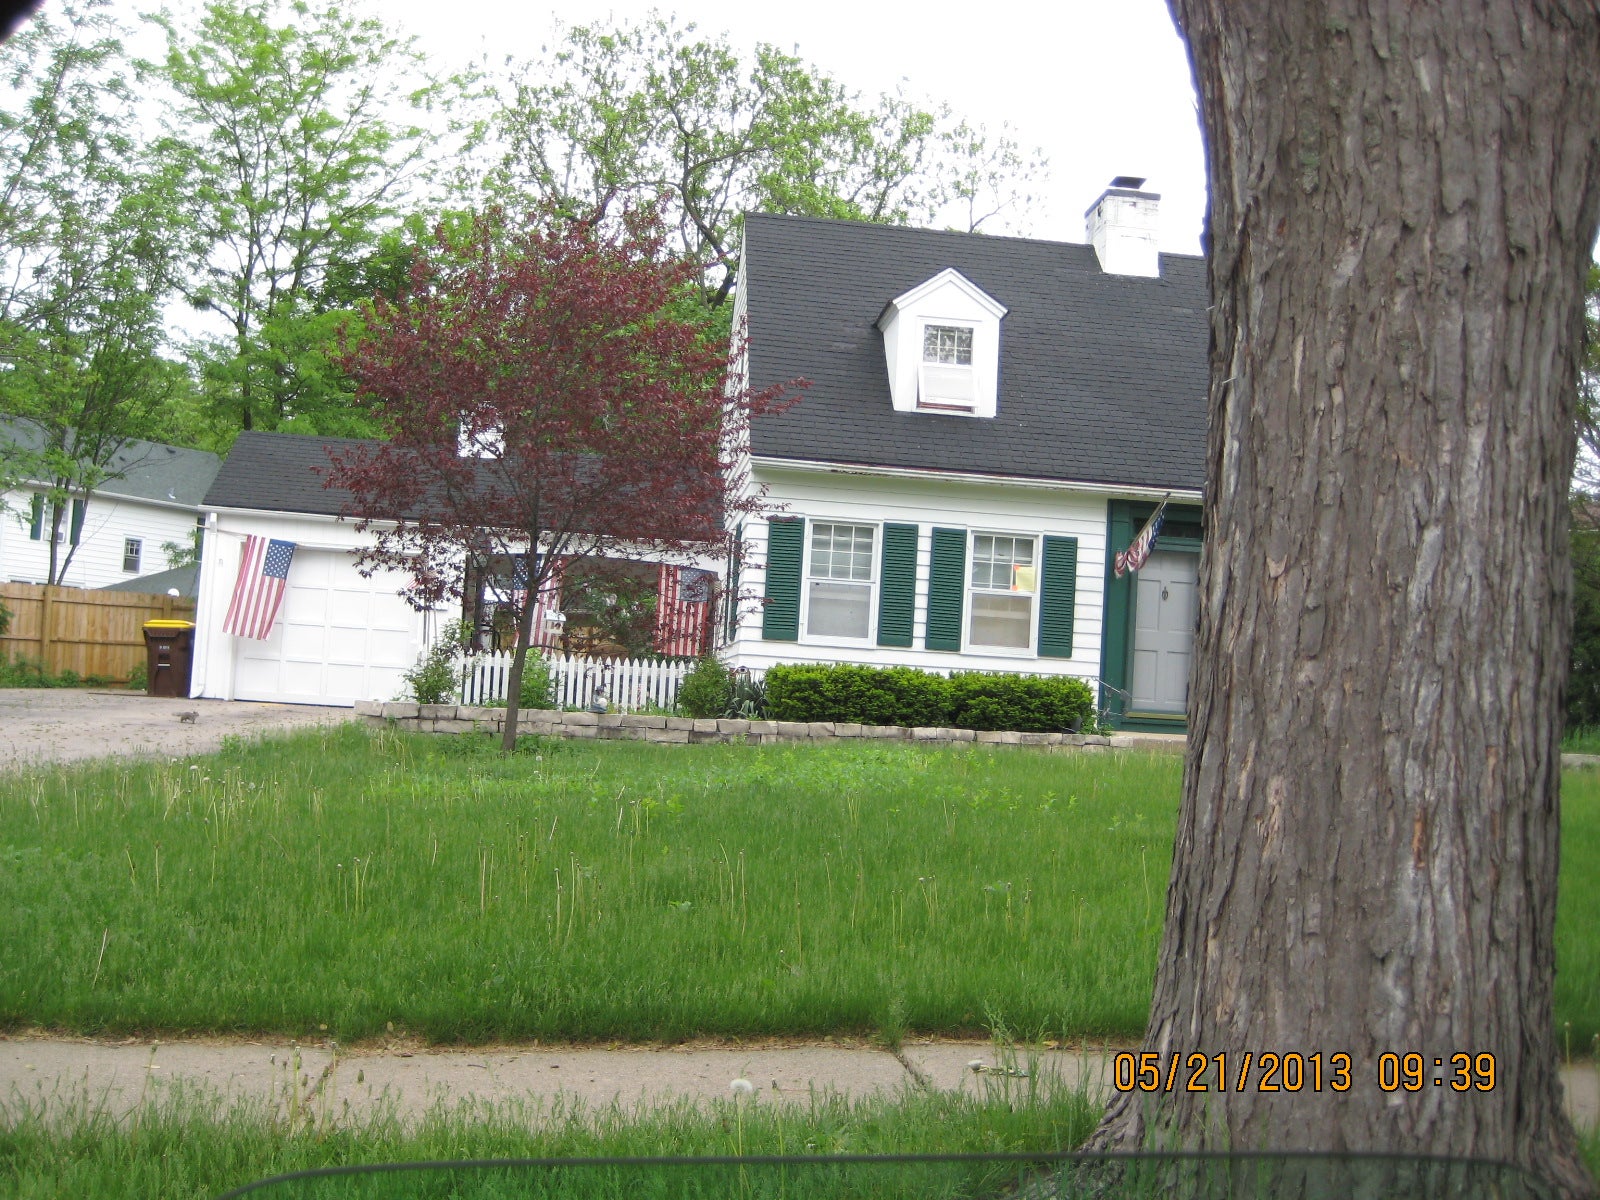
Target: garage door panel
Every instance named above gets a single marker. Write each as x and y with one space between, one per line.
340 638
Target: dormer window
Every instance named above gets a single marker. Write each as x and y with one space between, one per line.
941 343
947 344
945 379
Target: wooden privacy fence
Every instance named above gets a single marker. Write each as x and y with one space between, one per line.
90 632
631 683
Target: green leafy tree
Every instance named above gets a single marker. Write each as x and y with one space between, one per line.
281 135
85 242
654 112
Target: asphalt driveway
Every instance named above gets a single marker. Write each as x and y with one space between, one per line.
51 725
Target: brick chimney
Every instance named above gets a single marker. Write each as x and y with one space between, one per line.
1122 226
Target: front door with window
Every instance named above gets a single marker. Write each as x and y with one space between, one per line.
1163 631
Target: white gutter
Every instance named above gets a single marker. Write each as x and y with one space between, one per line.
1101 489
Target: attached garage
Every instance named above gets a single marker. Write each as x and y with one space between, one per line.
339 637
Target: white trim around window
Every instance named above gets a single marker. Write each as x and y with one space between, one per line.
1002 593
839 582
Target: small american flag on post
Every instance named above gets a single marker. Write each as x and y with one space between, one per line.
1134 556
258 591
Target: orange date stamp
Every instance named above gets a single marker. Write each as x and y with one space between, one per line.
1272 1071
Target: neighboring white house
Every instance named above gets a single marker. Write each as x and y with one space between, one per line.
988 421
116 533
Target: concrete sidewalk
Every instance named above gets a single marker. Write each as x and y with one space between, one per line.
57 1074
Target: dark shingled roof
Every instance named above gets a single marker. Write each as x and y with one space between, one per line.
148 470
1102 377
279 472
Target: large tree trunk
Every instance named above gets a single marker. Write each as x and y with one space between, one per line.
1403 201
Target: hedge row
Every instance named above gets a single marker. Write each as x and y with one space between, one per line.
906 696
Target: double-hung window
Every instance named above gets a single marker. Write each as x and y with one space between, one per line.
1004 588
839 580
132 552
946 379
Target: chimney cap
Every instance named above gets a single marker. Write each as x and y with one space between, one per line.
1128 181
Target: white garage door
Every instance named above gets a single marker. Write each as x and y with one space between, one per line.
339 638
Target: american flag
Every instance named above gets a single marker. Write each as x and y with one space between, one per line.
548 601
1135 555
258 591
683 609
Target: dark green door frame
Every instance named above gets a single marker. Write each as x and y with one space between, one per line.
1180 531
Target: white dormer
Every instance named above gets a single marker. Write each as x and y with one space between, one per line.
942 343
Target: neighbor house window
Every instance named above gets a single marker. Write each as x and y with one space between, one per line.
839 581
132 548
1004 585
946 379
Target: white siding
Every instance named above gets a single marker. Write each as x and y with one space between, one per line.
339 638
108 521
984 507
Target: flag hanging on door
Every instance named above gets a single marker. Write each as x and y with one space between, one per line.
1134 556
258 591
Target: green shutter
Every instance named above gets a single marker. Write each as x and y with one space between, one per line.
36 514
730 611
1058 585
78 507
947 583
897 595
780 619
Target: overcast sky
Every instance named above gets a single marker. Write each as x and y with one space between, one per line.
1102 88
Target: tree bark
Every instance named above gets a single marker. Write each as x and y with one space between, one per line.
1403 203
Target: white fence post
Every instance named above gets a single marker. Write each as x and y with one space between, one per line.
631 683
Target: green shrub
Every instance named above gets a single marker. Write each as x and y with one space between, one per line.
538 685
906 696
747 697
1028 704
433 680
139 678
24 673
869 695
706 690
5 619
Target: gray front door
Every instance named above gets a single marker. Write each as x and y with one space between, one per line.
1163 631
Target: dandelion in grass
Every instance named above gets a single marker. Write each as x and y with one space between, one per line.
742 1087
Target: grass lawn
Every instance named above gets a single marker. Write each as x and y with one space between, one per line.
343 882
184 1148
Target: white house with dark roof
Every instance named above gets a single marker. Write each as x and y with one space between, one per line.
115 534
989 420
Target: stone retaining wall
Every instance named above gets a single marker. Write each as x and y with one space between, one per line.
538 722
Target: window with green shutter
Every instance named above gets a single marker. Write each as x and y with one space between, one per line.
36 518
78 507
897 593
946 582
780 617
1058 587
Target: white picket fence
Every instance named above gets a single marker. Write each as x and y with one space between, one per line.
631 684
